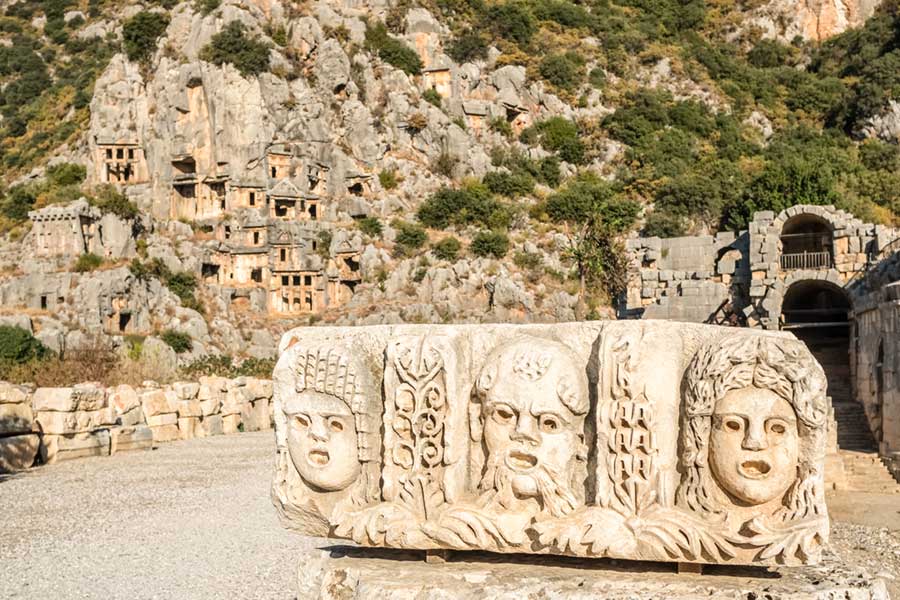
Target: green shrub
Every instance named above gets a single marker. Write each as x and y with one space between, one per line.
409 236
501 126
589 199
512 21
18 346
17 202
490 243
109 199
389 179
140 32
471 205
597 78
223 365
511 185
66 174
392 51
179 341
768 54
565 71
467 47
529 261
557 134
432 96
447 249
370 226
87 262
664 224
206 6
232 45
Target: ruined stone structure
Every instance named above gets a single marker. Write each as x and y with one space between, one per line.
813 270
655 441
67 231
55 424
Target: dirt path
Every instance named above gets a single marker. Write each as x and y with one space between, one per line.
193 520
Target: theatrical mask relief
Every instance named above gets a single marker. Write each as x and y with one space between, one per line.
640 440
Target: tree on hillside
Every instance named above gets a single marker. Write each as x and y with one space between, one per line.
594 215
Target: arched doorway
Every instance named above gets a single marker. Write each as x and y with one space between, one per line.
817 312
807 242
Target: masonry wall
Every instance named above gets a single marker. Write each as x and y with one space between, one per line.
46 425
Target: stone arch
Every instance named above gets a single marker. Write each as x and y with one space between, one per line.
827 214
806 237
817 309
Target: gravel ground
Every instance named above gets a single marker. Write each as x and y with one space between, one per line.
188 520
193 520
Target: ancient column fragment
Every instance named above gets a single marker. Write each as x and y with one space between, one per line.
638 440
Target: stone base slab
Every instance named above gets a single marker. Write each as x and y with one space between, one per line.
126 439
339 572
55 448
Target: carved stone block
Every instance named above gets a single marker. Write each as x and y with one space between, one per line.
640 440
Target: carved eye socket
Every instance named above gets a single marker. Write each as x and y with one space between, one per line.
503 415
302 421
549 424
778 428
335 425
733 424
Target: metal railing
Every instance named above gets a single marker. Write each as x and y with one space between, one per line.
806 260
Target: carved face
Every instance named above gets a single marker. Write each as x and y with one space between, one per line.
530 432
754 445
321 440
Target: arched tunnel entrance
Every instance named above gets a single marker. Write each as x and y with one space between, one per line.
817 312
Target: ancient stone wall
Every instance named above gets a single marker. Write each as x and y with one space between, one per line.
744 277
640 440
46 425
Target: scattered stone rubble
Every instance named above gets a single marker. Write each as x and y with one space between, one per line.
53 424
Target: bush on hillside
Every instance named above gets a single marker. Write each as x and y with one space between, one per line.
590 200
511 185
66 174
179 341
391 50
233 45
140 32
370 226
565 71
409 237
87 262
490 243
512 21
18 346
468 47
470 205
447 249
109 199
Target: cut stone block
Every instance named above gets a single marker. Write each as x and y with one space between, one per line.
477 438
135 416
231 423
165 433
18 452
187 427
16 418
189 408
367 574
160 420
157 402
55 448
211 425
210 407
186 390
78 398
13 394
126 439
124 398
63 423
255 415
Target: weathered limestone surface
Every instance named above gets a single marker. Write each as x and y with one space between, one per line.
365 574
18 452
90 420
640 440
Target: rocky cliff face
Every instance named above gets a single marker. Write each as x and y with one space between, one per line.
814 20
